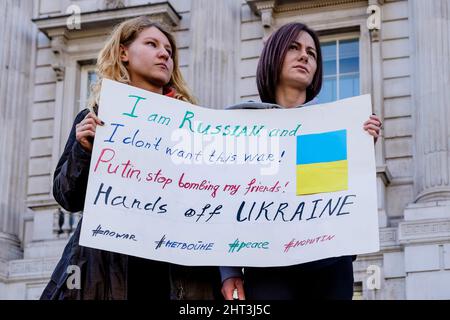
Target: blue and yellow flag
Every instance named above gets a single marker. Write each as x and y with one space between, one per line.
322 162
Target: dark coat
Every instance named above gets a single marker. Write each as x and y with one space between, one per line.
107 275
103 273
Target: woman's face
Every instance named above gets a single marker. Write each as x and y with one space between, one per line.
149 58
300 63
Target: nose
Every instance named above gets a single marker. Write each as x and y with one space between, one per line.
163 53
303 56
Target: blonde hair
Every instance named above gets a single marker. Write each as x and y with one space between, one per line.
110 65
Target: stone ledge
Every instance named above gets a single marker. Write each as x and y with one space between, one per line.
57 25
388 238
20 270
424 231
384 173
427 211
41 204
257 5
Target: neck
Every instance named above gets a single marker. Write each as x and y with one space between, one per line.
289 97
142 84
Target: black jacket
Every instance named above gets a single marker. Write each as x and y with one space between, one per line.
103 273
107 275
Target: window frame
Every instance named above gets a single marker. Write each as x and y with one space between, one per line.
342 37
84 90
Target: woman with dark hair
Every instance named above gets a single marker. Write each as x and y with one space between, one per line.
289 75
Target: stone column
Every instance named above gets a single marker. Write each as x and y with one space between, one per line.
430 31
16 39
425 231
213 64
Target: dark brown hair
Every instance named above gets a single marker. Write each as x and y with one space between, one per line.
272 58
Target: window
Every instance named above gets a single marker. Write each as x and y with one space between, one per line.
340 69
88 78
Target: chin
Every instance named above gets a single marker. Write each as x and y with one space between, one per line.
159 81
300 80
164 80
300 83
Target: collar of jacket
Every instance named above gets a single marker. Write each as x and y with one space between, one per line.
169 92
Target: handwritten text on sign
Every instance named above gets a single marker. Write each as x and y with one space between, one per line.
176 182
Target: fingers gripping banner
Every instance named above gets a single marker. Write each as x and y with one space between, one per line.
176 182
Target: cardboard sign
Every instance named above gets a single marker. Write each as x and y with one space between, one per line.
176 182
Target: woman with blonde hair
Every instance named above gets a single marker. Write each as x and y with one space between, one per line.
143 54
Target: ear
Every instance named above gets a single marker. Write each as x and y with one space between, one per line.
124 53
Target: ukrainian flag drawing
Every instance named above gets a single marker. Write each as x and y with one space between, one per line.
322 162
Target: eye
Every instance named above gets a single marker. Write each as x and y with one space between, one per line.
312 54
169 51
152 43
293 47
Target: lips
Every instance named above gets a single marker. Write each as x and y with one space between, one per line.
163 65
302 68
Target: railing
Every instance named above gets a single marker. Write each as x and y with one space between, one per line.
65 223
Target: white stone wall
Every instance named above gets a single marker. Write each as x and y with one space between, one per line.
415 238
398 106
17 39
251 45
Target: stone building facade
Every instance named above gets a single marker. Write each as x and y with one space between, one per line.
47 55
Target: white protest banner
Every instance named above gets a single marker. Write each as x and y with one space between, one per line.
189 185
